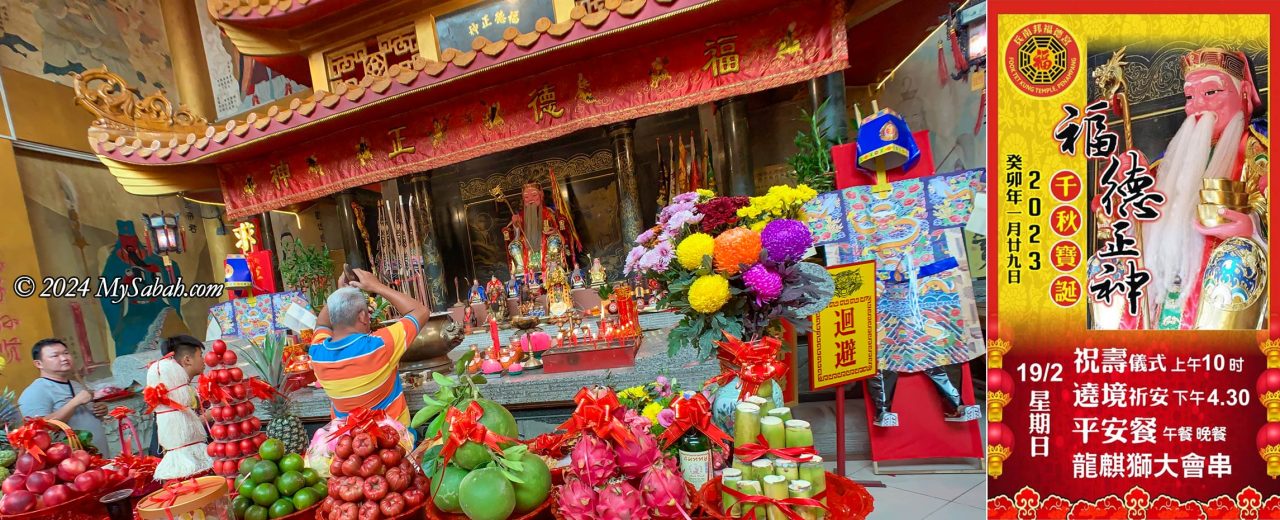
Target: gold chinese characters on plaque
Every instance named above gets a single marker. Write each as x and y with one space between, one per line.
843 343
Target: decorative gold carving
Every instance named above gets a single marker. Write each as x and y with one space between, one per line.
108 97
314 167
371 58
584 91
250 187
363 153
1152 77
437 133
514 179
493 116
789 45
658 72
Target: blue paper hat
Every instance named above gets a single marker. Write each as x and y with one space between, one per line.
885 136
238 275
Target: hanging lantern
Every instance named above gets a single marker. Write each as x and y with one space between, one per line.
1269 393
1000 448
999 393
166 236
1269 447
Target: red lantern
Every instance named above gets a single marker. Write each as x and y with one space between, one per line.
999 447
1269 393
1269 447
999 393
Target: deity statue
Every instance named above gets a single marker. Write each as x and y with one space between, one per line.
577 280
598 275
1205 253
537 234
513 286
559 295
477 293
497 298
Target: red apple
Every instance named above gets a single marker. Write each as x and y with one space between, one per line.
244 409
231 450
229 358
223 376
218 431
84 456
236 373
21 501
69 468
42 440
39 481
257 423
55 495
211 359
28 464
57 453
91 480
261 438
214 450
15 482
219 346
238 391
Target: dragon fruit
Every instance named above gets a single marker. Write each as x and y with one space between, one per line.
620 501
578 500
664 492
636 457
593 460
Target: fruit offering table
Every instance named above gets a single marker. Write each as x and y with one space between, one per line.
536 389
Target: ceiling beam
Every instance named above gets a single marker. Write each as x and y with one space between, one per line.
863 10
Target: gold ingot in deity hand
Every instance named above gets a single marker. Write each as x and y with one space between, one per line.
1233 199
1209 216
1222 185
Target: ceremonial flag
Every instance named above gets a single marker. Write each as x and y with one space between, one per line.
561 208
664 176
682 168
695 173
706 157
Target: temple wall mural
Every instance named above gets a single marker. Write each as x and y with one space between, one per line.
54 38
81 217
239 83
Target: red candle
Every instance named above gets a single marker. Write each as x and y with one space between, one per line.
493 333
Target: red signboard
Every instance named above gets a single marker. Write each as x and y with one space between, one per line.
795 42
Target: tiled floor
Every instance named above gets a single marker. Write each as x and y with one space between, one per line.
923 497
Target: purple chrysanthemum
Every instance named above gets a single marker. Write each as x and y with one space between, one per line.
765 283
786 240
647 236
685 198
633 259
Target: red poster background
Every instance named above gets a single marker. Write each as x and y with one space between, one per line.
1044 488
792 43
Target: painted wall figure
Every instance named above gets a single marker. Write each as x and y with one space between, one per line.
137 319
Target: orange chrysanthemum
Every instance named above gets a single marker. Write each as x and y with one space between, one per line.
735 248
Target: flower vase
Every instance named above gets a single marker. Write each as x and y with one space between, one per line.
725 401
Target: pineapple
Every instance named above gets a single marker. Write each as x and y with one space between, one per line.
268 359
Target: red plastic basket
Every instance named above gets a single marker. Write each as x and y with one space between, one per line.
79 508
690 491
542 511
846 500
306 514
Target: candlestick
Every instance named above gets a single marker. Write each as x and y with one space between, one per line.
493 334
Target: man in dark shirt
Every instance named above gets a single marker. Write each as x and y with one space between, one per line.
55 396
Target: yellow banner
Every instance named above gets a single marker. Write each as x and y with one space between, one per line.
842 348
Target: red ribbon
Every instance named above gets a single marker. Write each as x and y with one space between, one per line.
261 389
361 420
211 392
121 415
156 396
752 451
168 495
781 503
693 412
757 363
465 426
25 437
597 412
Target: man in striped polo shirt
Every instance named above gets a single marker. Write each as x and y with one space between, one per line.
357 368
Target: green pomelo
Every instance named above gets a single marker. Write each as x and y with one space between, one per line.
537 483
497 419
485 494
445 486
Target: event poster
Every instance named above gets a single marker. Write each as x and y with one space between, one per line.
1132 324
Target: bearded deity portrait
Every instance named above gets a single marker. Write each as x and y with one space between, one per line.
1203 262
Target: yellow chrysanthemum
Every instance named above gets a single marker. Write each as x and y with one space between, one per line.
709 293
634 392
651 411
693 248
706 194
759 226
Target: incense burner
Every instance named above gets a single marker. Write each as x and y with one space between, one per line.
429 350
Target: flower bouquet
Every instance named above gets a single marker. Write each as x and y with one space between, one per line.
653 401
733 264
